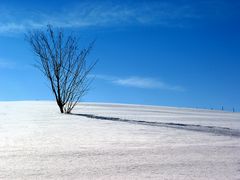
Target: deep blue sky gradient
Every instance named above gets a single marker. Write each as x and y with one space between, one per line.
187 44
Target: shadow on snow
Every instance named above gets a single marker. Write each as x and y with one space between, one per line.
191 127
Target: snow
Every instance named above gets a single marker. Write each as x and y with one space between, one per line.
117 141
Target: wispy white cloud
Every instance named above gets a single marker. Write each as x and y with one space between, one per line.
140 82
5 64
96 14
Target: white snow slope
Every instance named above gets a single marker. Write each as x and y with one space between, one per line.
114 141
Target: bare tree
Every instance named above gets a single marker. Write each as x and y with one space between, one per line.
63 63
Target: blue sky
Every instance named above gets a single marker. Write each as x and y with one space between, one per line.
174 53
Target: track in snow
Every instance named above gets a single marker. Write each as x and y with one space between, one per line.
191 127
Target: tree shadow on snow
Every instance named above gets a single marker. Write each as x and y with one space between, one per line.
191 127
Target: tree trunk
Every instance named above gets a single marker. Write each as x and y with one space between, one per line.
61 108
60 105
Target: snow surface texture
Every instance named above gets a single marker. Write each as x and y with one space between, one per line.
114 141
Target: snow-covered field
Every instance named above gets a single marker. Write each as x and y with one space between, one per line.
114 141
